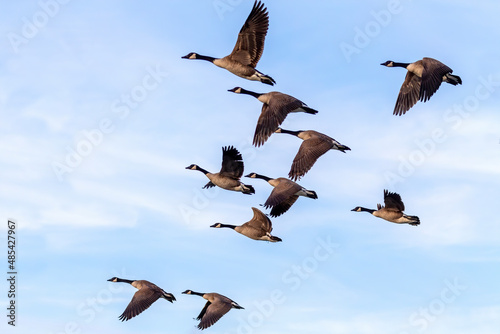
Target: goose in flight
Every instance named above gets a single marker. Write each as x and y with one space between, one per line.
147 293
217 305
248 49
421 82
258 228
392 211
276 106
230 173
284 194
314 145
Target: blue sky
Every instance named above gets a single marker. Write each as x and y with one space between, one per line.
100 115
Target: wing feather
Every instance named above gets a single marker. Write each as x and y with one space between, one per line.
393 201
232 163
273 114
432 77
250 43
141 300
309 152
213 312
408 94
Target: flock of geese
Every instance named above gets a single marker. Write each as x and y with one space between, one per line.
423 79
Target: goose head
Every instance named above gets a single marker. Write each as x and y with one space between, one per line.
388 63
236 90
192 166
216 225
191 55
113 279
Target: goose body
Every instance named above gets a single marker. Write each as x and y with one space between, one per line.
423 79
392 211
147 293
276 106
230 173
248 49
258 228
284 195
217 305
314 145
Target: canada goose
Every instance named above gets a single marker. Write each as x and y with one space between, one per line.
422 80
315 144
276 106
216 306
146 295
230 172
284 194
259 228
393 210
248 49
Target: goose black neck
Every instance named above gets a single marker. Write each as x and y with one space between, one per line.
197 293
228 226
207 58
249 92
293 133
405 65
204 171
124 280
258 176
367 210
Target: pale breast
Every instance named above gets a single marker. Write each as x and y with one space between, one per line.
235 67
223 182
416 68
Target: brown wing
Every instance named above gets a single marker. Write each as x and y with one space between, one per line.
432 77
232 163
250 43
273 114
282 197
260 221
142 299
408 94
212 312
393 201
284 190
283 207
310 150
